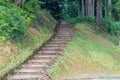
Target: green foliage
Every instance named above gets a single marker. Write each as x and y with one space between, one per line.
13 21
12 24
86 19
116 10
80 19
111 26
33 5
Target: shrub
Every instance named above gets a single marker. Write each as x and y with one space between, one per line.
32 5
79 19
13 21
111 27
86 19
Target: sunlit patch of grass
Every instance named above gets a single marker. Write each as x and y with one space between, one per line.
87 53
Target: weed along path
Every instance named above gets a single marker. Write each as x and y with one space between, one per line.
36 67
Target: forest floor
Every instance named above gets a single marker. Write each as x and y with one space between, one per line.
89 55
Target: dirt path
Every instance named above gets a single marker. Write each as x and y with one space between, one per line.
36 67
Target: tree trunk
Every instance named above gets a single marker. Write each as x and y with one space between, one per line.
78 8
98 11
86 7
19 2
83 8
93 7
90 8
105 4
109 3
23 1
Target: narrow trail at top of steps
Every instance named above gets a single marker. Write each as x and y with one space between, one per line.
36 67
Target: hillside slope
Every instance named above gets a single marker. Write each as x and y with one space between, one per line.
13 53
88 56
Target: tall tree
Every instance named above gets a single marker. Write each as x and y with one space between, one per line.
86 7
83 7
90 8
93 5
109 4
78 7
98 19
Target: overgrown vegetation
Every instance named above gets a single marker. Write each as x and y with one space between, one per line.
88 56
22 31
112 27
13 22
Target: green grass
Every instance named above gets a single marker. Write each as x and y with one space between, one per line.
89 54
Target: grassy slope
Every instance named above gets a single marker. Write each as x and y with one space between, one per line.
12 53
88 56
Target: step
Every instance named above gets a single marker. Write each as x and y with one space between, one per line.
25 77
46 56
53 48
63 35
35 66
59 38
51 57
40 61
63 38
56 45
64 32
50 52
28 71
53 42
59 33
56 54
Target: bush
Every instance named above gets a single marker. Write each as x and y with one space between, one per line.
86 19
115 28
33 5
79 19
111 27
13 21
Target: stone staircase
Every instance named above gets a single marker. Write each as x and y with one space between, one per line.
36 67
